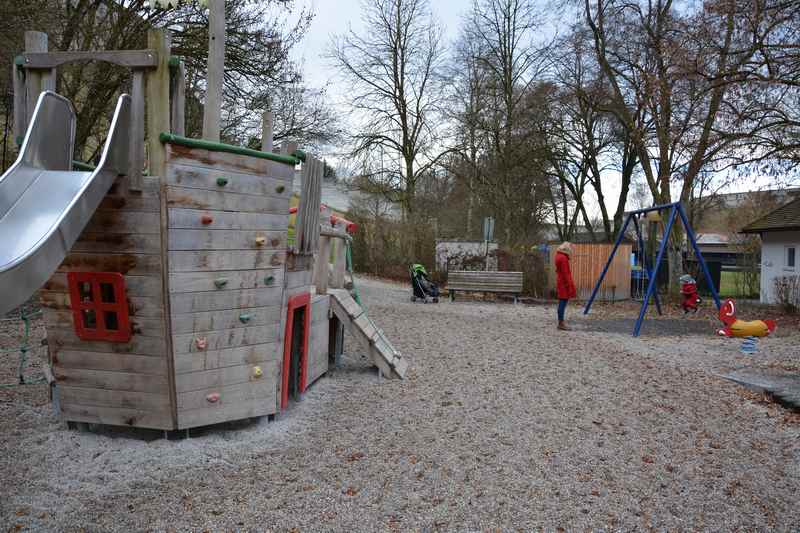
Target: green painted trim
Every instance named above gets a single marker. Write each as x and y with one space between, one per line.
301 155
171 138
19 61
80 165
20 139
175 61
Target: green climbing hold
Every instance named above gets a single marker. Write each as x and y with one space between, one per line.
245 318
269 280
219 283
279 189
222 182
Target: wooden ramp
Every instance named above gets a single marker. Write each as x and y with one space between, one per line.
358 324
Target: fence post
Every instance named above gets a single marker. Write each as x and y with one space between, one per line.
339 261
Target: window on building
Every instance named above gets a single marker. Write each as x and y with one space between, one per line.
99 306
791 257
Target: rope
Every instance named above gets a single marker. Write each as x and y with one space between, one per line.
23 348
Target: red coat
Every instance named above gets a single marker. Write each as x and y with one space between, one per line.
565 286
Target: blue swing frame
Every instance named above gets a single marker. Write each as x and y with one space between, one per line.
676 210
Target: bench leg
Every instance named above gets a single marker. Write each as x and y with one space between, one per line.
515 299
452 295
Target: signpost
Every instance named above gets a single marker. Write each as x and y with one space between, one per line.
488 235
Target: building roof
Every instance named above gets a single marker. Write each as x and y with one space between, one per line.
712 239
786 217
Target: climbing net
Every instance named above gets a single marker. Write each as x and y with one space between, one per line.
24 319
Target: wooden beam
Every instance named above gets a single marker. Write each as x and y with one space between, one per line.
339 263
42 59
20 106
137 132
178 100
266 131
158 115
35 41
216 70
321 270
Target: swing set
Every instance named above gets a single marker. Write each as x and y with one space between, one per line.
650 274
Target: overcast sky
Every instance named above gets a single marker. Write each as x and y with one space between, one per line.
335 16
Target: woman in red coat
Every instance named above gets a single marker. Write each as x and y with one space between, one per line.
565 286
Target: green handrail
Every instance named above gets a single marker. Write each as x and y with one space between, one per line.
171 138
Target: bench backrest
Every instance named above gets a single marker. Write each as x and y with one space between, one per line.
482 281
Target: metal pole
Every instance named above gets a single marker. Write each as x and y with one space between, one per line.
608 264
645 261
652 283
690 234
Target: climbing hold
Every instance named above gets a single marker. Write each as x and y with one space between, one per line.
275 260
257 373
222 182
279 189
213 397
201 343
269 280
206 219
260 241
244 318
221 282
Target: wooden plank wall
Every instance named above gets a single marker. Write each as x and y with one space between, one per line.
115 383
318 337
228 218
587 263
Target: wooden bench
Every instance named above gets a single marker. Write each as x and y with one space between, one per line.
482 281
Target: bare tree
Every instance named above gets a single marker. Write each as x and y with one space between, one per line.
391 69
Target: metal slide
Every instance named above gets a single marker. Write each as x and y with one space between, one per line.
44 205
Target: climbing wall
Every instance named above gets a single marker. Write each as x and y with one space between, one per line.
227 217
115 383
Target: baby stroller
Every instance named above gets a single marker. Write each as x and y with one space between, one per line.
422 287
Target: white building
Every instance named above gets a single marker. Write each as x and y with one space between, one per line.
780 249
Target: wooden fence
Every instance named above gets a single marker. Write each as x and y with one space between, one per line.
587 263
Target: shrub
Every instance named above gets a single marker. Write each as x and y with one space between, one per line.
787 292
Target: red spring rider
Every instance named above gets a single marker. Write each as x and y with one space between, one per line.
691 300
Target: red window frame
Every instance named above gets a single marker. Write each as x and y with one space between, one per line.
100 331
295 302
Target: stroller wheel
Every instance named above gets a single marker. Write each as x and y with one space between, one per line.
413 298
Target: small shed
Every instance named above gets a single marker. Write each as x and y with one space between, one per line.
780 244
587 262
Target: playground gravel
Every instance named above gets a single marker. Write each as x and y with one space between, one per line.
502 423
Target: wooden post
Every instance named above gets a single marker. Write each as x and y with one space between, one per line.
321 270
35 41
339 263
137 131
179 100
266 131
216 69
20 108
157 89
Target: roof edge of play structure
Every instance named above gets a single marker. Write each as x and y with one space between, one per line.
171 138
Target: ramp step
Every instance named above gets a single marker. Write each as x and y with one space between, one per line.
358 324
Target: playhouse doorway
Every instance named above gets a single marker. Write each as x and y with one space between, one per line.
295 353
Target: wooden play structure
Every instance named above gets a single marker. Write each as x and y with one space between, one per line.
174 300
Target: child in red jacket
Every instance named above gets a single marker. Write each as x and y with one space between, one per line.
565 286
690 300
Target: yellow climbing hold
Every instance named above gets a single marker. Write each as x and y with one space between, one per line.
257 372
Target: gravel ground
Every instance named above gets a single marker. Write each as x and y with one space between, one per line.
502 423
